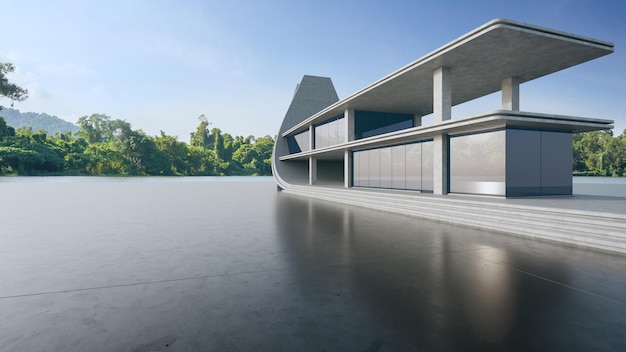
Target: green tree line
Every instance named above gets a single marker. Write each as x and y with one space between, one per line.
106 146
599 153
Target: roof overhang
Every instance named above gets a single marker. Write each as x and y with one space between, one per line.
479 62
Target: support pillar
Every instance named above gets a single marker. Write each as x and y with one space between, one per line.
311 137
348 115
442 95
312 170
440 164
347 169
510 94
417 120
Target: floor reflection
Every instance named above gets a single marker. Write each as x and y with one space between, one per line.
435 286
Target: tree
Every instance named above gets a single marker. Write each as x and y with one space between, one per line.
5 131
599 153
10 90
201 137
174 151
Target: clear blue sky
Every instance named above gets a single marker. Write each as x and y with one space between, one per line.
160 64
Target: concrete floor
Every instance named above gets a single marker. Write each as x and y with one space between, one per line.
237 266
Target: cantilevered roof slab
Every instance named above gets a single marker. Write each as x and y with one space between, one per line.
479 62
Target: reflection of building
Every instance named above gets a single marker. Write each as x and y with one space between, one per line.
375 137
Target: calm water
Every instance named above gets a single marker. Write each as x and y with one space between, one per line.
193 264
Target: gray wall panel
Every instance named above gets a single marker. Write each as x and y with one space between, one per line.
523 163
556 163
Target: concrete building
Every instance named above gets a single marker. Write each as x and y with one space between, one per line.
375 138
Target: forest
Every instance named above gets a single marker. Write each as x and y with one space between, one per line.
106 146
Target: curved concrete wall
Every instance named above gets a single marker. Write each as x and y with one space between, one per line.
312 95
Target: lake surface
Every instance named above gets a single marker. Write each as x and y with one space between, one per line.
230 264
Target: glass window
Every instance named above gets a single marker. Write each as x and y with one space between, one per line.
374 170
370 123
356 169
341 131
477 163
299 142
414 166
385 167
428 168
332 133
318 137
398 156
365 168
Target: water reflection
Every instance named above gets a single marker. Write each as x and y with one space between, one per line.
435 286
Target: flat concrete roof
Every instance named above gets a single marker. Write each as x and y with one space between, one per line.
479 61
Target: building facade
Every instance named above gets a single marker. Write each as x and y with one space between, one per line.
375 137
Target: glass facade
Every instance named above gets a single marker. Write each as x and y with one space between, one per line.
370 123
407 166
477 163
330 132
299 143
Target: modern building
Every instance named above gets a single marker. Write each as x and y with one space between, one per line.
375 137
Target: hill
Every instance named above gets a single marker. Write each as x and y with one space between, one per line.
38 121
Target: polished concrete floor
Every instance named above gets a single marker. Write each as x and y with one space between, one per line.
237 266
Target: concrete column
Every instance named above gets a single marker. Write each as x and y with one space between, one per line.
442 95
417 120
312 170
510 94
348 115
311 137
347 169
440 164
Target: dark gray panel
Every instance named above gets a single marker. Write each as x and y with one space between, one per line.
556 163
330 172
523 163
